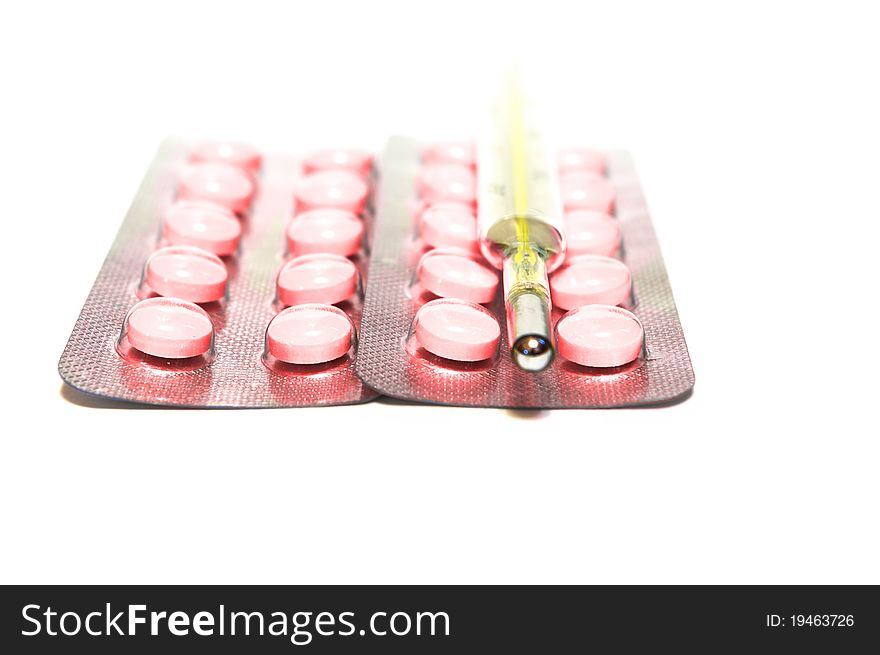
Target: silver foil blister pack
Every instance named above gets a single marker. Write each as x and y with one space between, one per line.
237 371
392 362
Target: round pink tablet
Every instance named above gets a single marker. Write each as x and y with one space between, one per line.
450 152
186 272
587 190
599 335
590 279
441 182
581 159
457 330
309 334
447 205
326 279
234 153
444 226
169 327
339 189
202 224
335 231
590 232
219 183
451 275
348 159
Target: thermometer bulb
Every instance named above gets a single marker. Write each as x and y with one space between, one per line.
526 249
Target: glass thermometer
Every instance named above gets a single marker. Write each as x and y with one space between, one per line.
519 216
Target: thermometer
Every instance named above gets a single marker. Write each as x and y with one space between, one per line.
520 214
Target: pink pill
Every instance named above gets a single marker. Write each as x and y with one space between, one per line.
204 225
591 233
581 159
443 226
326 279
335 231
590 279
309 334
240 155
186 272
448 205
419 208
456 276
457 330
332 159
450 152
218 183
442 182
339 189
170 328
599 335
587 190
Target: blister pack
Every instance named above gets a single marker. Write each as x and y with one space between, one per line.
453 313
236 280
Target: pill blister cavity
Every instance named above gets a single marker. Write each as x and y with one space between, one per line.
327 230
453 273
340 189
589 232
205 225
318 278
447 182
581 159
449 225
600 336
584 189
222 184
309 334
590 279
234 153
455 330
185 272
462 153
333 159
167 331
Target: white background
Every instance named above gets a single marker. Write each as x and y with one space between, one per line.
755 130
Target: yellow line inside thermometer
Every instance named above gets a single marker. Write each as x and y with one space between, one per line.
518 159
